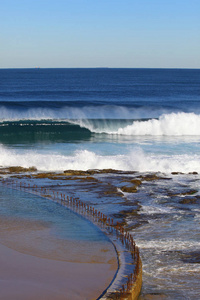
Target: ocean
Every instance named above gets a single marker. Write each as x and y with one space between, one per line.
128 119
141 120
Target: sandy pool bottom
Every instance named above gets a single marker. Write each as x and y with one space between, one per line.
35 265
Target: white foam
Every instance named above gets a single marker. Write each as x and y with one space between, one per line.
80 160
136 160
168 244
171 124
174 124
179 269
152 210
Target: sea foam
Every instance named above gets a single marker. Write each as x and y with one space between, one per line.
135 160
174 124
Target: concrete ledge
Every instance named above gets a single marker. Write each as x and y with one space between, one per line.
136 289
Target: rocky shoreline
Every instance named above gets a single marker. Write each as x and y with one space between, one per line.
118 184
121 195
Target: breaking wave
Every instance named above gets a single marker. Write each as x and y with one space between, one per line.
174 124
108 119
182 125
136 160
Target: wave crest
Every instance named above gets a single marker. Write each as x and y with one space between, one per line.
174 124
32 111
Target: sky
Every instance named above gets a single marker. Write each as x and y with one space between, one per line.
100 33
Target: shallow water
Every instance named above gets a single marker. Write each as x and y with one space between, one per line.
36 226
170 241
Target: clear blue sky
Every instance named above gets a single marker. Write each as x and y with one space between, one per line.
100 33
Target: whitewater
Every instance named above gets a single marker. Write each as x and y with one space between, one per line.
136 160
166 144
143 145
96 120
174 124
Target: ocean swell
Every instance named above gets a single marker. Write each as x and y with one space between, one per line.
55 110
112 120
174 124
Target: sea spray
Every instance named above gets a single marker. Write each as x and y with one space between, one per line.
135 160
174 124
61 111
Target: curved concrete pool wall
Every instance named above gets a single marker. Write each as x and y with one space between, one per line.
136 287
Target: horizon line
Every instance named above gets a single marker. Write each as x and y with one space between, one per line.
37 68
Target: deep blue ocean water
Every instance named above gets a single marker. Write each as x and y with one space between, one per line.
129 119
